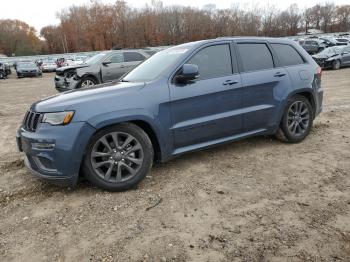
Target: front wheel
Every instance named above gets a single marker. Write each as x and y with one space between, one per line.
87 82
336 65
297 120
118 157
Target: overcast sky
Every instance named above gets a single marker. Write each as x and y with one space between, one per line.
39 13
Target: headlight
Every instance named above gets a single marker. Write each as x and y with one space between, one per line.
58 118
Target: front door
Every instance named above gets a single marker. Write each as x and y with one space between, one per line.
114 68
209 108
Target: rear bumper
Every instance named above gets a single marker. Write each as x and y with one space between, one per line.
54 153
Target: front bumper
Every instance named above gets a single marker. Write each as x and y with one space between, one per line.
324 63
59 160
63 84
28 74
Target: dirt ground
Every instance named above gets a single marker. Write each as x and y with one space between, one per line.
253 200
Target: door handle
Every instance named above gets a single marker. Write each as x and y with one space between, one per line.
230 82
122 66
279 74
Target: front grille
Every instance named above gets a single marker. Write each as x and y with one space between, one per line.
31 120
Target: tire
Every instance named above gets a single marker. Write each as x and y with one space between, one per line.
294 127
85 80
336 65
109 169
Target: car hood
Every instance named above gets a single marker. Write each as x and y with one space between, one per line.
99 95
64 68
323 56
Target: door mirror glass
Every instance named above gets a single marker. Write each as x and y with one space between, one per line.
188 73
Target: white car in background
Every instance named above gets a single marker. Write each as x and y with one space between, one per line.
49 66
77 60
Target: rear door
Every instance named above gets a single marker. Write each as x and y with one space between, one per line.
263 84
113 69
208 108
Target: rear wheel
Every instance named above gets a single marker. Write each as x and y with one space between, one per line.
118 157
297 120
336 65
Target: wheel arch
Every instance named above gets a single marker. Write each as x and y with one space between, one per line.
308 94
146 125
90 76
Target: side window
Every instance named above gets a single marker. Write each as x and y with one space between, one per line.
117 58
255 57
133 56
213 61
287 55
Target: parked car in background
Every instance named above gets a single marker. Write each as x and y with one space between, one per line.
49 65
103 67
333 57
26 69
342 41
181 99
61 62
313 46
3 72
6 67
328 42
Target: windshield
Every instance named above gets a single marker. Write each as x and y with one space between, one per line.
26 65
95 58
331 51
156 64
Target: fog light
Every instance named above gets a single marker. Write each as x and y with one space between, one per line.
43 146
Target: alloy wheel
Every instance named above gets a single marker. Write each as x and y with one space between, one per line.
298 118
87 83
117 157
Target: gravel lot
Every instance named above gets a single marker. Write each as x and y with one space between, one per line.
253 200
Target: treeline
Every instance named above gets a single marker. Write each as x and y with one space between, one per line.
18 38
99 26
102 26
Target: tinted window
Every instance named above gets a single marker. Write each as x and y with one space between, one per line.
150 52
255 57
133 56
213 61
310 43
117 58
287 55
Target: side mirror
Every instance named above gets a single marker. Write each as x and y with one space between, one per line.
105 63
188 73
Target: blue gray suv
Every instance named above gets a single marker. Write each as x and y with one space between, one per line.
184 98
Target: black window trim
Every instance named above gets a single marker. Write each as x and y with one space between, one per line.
278 63
233 57
239 58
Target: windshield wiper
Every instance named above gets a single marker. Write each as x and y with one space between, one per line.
124 80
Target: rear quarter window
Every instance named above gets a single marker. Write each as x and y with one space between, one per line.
287 55
255 56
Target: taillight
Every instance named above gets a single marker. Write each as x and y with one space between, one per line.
319 71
